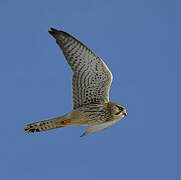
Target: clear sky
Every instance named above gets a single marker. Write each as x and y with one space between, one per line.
140 42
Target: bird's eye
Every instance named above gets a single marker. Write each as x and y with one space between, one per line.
120 108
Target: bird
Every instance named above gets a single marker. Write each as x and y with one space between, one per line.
91 82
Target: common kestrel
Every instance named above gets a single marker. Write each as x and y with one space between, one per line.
90 83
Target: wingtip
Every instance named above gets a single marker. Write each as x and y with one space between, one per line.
83 134
53 31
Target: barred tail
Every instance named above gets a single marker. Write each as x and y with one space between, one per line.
48 124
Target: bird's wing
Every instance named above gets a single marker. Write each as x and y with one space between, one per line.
91 77
92 128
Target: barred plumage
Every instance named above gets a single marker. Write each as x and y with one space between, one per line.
90 83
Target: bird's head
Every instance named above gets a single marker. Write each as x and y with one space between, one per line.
118 111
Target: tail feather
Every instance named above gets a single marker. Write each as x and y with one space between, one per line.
47 124
54 123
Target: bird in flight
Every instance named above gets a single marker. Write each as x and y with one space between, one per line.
91 82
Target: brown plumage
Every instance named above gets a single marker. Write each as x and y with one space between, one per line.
90 83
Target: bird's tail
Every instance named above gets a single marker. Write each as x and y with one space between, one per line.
47 124
58 122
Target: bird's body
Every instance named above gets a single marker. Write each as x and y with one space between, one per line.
91 82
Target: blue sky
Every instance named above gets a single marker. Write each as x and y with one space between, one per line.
139 41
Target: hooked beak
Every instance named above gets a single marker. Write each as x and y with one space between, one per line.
124 112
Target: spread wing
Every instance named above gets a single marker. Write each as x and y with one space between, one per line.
92 128
91 77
